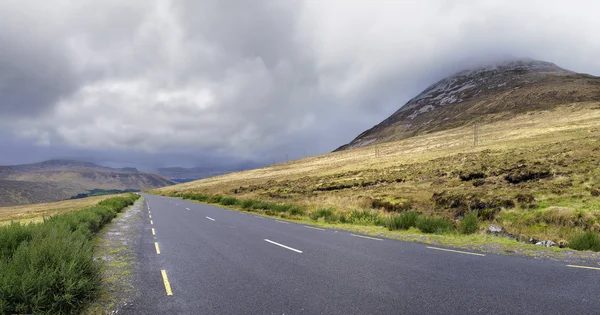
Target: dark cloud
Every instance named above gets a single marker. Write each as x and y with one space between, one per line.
161 83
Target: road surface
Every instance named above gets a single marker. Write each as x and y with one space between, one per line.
201 259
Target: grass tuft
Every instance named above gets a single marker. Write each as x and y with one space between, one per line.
585 241
403 221
328 215
436 225
469 224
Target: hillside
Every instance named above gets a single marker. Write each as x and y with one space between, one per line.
535 171
61 179
488 94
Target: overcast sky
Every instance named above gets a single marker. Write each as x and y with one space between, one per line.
163 83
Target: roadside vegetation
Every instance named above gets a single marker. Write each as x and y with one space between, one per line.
48 267
534 177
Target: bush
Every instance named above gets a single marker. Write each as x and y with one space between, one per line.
247 204
327 214
469 224
228 201
201 198
402 221
49 267
295 210
436 225
363 217
585 241
261 205
214 199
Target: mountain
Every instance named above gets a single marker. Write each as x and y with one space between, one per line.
62 179
183 174
487 94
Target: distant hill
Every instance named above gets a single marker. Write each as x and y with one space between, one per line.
183 174
62 179
493 93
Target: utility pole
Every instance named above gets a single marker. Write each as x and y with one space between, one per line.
475 135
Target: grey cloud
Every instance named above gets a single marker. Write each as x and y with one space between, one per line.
164 82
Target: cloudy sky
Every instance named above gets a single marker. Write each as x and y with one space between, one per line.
194 82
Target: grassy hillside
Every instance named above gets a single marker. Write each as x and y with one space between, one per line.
58 180
537 175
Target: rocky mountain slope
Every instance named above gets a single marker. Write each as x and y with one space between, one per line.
61 179
487 94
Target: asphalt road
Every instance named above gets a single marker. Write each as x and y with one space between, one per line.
219 261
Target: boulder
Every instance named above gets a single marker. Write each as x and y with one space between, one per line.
495 229
547 243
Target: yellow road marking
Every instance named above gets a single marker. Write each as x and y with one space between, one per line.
166 281
151 222
583 267
157 249
371 238
455 251
153 232
315 228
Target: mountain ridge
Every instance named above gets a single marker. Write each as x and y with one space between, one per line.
488 93
55 180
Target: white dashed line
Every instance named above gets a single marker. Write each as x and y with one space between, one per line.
210 218
286 247
187 208
455 251
367 237
282 222
314 228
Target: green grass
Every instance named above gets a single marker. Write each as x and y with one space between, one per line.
469 224
228 201
48 268
327 214
585 241
403 221
437 225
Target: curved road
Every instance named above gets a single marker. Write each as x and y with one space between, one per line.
200 259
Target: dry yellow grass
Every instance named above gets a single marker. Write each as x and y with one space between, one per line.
537 128
565 140
36 212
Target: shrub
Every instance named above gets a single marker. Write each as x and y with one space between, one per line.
595 192
585 241
281 207
261 205
327 214
469 223
364 217
247 204
201 198
295 210
214 199
402 221
49 267
228 201
436 225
